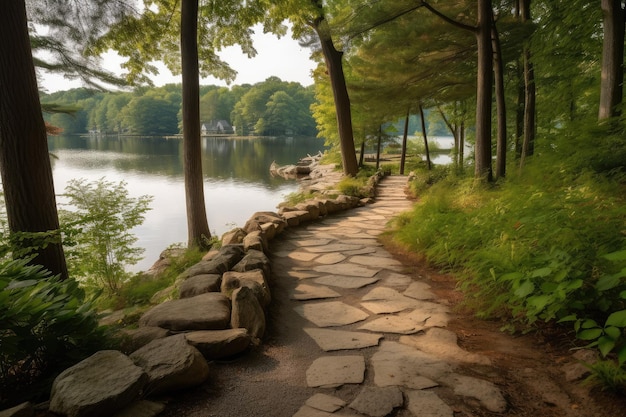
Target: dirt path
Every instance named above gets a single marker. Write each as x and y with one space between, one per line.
523 376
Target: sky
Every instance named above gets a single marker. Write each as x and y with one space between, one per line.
282 58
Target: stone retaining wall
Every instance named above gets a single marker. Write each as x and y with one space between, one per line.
216 309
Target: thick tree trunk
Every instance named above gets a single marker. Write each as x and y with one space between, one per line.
333 57
501 144
484 87
24 160
528 145
404 140
612 59
197 224
362 154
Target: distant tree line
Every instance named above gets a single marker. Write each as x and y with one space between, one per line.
272 107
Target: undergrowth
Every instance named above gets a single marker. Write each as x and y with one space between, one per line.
547 244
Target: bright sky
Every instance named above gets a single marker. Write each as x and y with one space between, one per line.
282 58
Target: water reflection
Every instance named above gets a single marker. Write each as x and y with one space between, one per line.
236 171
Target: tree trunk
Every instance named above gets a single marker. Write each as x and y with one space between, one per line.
24 160
197 224
612 78
428 163
501 144
404 140
528 145
333 57
484 85
362 154
380 134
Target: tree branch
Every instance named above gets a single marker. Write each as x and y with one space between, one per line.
448 19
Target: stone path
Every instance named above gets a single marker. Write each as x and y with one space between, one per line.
377 330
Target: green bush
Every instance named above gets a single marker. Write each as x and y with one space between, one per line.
45 325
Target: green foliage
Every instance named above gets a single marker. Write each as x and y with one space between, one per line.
528 250
354 187
98 232
608 376
46 324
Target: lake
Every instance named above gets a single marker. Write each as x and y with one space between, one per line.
236 176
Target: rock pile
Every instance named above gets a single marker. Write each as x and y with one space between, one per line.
216 309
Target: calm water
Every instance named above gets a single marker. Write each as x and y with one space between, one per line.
236 171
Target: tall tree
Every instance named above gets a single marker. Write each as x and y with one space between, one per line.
198 232
612 80
528 144
24 160
311 15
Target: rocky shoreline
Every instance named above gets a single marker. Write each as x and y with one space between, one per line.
216 309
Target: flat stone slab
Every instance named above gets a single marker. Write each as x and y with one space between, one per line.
313 292
325 402
306 411
427 404
377 401
363 251
347 269
330 313
486 392
302 275
443 343
383 300
344 281
394 279
329 340
404 323
419 291
333 371
302 256
333 247
375 261
312 242
330 259
397 364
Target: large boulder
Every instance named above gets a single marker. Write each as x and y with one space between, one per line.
210 311
225 259
255 240
100 385
199 284
247 313
171 365
233 237
263 217
254 259
133 339
254 280
219 344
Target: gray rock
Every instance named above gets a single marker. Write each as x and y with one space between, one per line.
171 364
333 371
312 209
221 262
199 284
330 313
254 259
210 311
142 408
233 237
133 339
329 340
255 240
23 410
219 344
100 385
396 364
427 404
247 312
294 218
377 401
325 402
254 280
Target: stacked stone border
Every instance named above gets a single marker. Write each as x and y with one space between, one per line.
216 309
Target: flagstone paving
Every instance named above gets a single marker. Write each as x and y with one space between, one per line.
376 327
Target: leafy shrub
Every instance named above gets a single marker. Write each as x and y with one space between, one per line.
353 187
97 232
45 325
